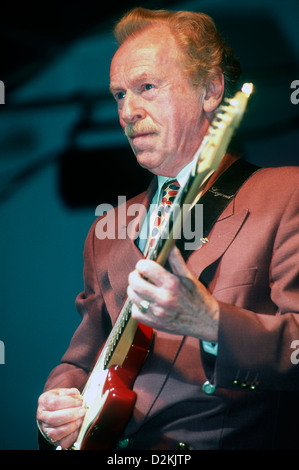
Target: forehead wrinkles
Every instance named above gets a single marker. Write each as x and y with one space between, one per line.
126 76
131 65
147 52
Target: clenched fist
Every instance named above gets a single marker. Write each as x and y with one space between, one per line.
60 415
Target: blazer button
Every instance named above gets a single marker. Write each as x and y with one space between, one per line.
124 443
208 388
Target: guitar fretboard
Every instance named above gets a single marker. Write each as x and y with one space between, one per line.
117 331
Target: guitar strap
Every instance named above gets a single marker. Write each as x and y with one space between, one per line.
222 192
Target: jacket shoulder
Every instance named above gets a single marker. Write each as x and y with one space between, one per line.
284 174
276 180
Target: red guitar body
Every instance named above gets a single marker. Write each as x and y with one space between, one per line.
107 428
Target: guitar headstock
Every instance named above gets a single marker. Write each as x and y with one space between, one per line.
227 119
231 113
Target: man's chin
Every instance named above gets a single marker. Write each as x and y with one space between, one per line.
146 160
157 166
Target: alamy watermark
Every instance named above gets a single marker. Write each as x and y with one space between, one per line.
295 353
295 94
114 225
2 352
2 92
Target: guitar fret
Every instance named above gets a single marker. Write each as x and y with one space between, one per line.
117 332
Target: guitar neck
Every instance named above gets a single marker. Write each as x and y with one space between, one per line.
121 337
176 219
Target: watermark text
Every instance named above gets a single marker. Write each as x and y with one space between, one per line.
2 352
295 94
124 223
155 459
295 353
2 92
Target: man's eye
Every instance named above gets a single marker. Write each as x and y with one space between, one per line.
148 86
120 95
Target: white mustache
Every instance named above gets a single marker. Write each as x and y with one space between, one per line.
140 128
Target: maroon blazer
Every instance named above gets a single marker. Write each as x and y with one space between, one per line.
251 265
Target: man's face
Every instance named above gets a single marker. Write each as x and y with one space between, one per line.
159 108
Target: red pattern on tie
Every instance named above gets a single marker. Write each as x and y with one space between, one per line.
169 192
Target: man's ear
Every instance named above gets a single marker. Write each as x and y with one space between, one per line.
213 93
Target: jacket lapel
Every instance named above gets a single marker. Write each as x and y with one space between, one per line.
223 233
124 252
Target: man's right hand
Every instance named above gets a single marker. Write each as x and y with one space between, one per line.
60 415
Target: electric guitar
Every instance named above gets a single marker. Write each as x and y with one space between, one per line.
108 395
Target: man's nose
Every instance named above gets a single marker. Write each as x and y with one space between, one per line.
132 110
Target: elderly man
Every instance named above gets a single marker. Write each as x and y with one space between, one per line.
226 314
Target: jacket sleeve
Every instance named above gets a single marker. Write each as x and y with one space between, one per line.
91 333
261 351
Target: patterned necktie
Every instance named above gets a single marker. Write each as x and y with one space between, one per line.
169 192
